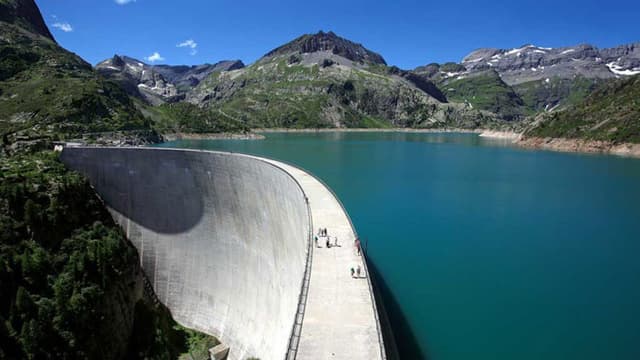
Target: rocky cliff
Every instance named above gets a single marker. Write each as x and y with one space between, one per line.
158 84
329 41
24 14
533 78
531 63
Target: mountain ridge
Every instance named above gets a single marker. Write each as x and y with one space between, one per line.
329 41
158 84
24 13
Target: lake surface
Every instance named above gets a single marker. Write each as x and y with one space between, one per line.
485 251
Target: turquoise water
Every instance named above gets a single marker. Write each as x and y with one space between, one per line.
487 251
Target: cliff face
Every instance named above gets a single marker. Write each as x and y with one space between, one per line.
24 13
321 41
159 84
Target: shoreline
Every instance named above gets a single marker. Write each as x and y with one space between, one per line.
404 130
581 146
518 139
212 136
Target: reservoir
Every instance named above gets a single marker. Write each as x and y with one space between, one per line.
484 250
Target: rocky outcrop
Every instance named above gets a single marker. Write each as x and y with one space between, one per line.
24 13
158 84
531 79
138 78
186 77
329 41
581 145
623 59
530 62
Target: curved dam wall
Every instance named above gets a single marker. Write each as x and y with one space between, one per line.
222 237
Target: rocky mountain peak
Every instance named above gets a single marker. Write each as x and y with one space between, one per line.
24 13
116 60
530 62
328 41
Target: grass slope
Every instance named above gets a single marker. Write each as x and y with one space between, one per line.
287 91
609 113
556 93
485 91
47 92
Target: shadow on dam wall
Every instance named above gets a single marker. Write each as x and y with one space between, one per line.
223 238
399 337
139 189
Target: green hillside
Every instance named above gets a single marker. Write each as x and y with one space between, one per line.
610 113
47 92
314 91
485 91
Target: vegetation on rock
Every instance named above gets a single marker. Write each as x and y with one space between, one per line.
276 92
485 91
47 93
609 113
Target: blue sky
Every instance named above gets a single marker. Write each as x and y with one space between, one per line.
407 33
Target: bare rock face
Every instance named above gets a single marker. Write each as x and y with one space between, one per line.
186 77
158 84
138 79
311 43
623 58
24 13
530 62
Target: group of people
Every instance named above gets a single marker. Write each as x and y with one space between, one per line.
324 233
355 273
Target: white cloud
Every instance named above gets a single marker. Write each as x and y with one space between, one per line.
154 57
189 44
64 26
124 2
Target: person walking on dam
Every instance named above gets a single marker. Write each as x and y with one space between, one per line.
358 271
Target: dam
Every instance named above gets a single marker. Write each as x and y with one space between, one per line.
227 241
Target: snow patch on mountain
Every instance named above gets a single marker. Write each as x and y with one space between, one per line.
619 70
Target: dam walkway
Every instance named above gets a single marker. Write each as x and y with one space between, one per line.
340 320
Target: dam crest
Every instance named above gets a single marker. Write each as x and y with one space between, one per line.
227 242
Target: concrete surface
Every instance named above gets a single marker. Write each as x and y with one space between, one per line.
223 239
339 321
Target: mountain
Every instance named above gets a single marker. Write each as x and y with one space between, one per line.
531 63
186 77
328 42
157 84
485 90
25 15
611 113
323 80
543 79
48 93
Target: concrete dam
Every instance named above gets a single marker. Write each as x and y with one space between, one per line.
226 241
